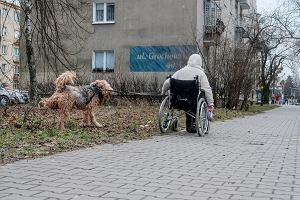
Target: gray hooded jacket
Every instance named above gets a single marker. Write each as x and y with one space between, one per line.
192 69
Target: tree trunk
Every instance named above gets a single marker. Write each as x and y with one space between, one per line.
245 103
266 93
214 91
32 70
30 52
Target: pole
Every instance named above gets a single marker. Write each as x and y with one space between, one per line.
262 96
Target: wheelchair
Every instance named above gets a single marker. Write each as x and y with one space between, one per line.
186 96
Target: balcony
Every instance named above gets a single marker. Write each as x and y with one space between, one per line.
213 22
209 40
244 4
242 28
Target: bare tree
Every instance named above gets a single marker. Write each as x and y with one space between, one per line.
52 31
276 48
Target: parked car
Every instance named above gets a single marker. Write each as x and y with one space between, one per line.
5 97
19 96
8 97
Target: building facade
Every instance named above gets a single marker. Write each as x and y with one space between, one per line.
10 45
152 36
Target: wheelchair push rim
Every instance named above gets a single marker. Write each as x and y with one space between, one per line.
165 116
202 123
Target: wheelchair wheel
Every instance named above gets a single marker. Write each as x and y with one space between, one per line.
175 124
207 127
165 116
202 123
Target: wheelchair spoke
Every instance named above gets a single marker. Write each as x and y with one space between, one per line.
165 116
202 125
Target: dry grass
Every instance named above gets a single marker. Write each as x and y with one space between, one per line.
28 132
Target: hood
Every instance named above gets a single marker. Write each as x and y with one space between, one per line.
195 60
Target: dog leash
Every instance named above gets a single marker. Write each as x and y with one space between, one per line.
124 93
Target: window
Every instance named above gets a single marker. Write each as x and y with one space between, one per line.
103 13
4 12
16 16
4 49
103 61
16 53
17 70
99 12
110 12
3 68
17 34
4 30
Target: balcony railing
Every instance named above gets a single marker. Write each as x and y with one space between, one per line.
213 22
242 28
244 4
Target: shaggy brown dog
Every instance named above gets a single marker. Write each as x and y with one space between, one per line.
85 98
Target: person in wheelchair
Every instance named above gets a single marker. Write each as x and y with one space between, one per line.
189 72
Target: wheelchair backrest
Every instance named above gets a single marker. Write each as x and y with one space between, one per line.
184 93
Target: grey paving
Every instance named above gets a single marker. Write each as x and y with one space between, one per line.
255 157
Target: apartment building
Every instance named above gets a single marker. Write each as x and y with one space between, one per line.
152 36
9 45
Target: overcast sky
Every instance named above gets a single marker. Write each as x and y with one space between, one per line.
265 6
268 5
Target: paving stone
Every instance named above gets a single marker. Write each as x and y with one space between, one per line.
20 197
255 157
3 195
19 191
51 189
55 195
86 192
123 196
184 197
86 197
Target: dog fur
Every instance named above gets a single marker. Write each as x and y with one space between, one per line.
86 98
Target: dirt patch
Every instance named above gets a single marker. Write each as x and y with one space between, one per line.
29 132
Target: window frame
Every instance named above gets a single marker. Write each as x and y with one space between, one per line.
16 50
4 30
4 47
19 34
3 67
4 14
16 16
104 12
104 68
17 70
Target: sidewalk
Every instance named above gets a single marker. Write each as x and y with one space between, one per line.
251 158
